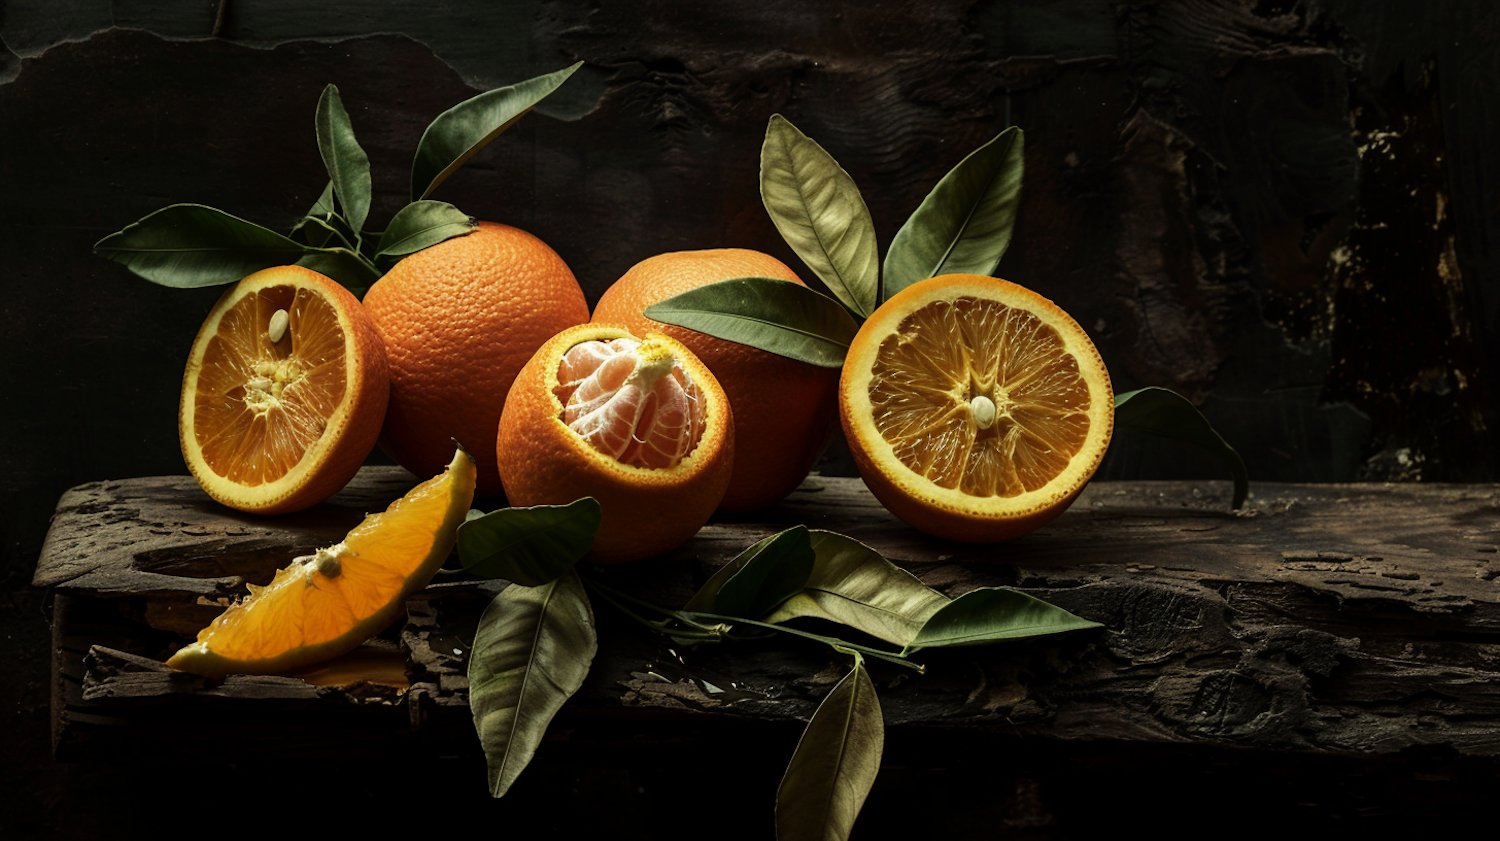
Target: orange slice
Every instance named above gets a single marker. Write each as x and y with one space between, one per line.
638 424
976 409
327 603
284 394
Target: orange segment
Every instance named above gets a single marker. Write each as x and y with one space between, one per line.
976 409
284 393
325 604
599 412
631 401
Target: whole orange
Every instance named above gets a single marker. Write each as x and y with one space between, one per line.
783 409
562 438
459 319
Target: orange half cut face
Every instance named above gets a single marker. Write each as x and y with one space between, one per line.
976 409
284 393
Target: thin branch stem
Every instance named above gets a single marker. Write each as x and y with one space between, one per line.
888 656
710 626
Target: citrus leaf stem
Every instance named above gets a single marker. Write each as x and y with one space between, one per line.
188 246
710 623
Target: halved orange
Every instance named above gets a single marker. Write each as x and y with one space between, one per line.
327 603
976 409
284 394
639 424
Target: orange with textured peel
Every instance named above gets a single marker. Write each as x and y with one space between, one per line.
284 393
459 319
976 409
325 604
638 424
783 409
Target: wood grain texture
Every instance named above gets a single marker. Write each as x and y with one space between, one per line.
1361 619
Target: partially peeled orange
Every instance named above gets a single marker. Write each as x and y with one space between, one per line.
638 423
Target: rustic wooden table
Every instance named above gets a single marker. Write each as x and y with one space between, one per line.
1325 636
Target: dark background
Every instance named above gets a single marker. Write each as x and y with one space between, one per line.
1283 210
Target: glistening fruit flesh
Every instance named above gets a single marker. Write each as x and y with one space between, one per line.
284 392
325 604
574 413
975 409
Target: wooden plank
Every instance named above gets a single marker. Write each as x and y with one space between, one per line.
1321 620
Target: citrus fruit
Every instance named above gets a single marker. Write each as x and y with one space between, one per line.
783 408
975 409
638 424
327 603
459 319
284 392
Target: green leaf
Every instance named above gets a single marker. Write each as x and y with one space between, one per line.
422 224
820 214
964 224
531 653
318 232
778 316
853 585
529 546
1164 412
460 132
317 226
835 763
759 578
991 614
190 245
348 166
341 264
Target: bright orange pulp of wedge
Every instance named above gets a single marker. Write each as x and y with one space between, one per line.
327 603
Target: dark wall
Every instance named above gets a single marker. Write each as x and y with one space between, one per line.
1283 210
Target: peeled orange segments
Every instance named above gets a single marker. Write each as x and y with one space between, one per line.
284 393
327 603
976 409
638 424
783 409
459 319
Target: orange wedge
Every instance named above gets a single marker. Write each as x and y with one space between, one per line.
325 604
284 394
976 409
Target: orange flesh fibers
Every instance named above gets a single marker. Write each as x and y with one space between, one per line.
631 401
262 404
980 397
324 596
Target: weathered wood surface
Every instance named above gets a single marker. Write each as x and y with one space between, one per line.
1321 620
